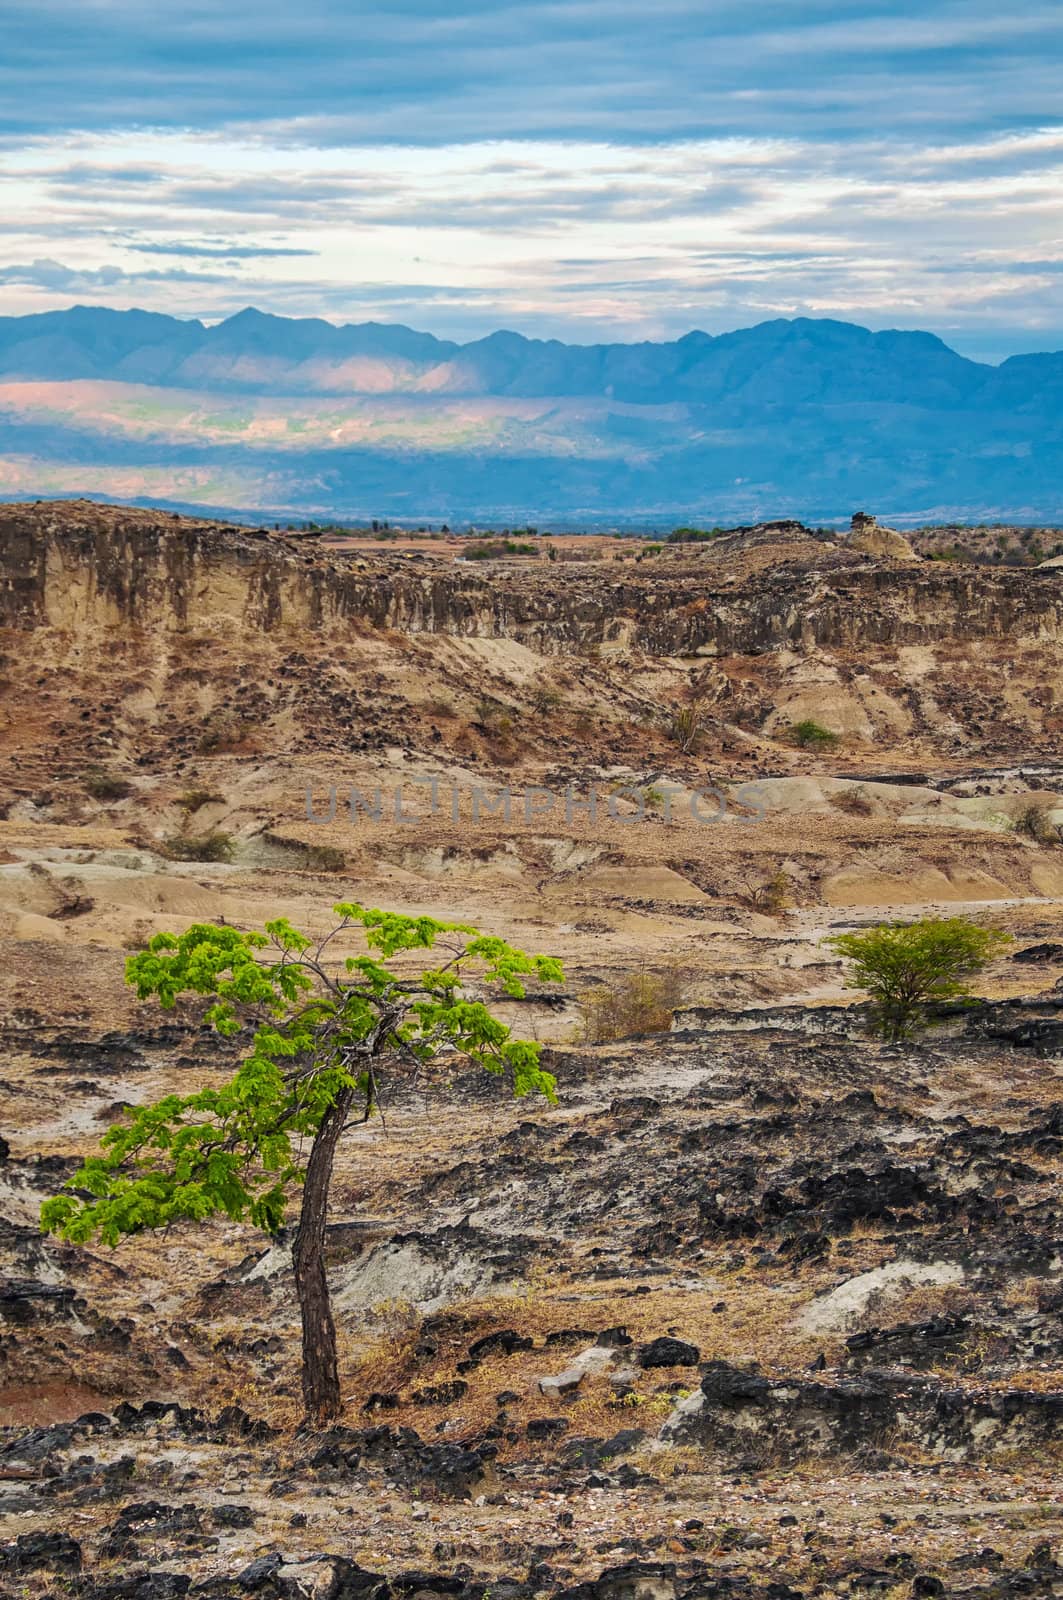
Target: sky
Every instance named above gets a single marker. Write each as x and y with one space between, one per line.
579 169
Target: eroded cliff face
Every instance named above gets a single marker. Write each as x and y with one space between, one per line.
80 566
140 637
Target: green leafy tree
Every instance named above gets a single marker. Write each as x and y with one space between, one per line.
329 1045
906 967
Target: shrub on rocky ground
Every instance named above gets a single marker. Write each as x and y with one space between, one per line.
686 728
853 802
106 786
639 1002
195 799
224 731
1035 822
812 735
214 846
773 896
904 968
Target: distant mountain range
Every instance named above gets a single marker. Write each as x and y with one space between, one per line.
263 413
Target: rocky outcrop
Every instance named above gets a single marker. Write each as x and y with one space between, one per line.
869 1417
868 536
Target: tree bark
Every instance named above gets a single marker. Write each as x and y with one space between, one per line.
321 1378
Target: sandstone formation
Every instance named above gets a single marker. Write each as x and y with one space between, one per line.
869 536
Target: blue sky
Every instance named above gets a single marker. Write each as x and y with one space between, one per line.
578 168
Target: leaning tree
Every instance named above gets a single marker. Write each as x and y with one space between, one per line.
332 1043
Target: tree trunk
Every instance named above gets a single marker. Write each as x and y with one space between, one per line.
321 1378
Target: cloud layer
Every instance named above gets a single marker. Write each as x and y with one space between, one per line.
587 168
444 71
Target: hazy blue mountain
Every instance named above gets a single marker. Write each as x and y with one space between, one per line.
807 416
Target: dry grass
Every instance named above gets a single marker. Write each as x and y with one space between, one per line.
755 1325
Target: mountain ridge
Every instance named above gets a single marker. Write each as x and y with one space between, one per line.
93 332
798 416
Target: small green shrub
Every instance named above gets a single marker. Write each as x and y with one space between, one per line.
105 786
812 735
195 799
203 847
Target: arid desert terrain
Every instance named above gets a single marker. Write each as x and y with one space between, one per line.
763 1307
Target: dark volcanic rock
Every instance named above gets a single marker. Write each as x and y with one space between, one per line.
505 1342
24 1301
41 1552
639 1580
454 1471
666 1352
149 1517
913 1343
1039 952
441 1394
783 1420
547 1427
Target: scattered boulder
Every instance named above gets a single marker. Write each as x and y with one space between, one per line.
1036 953
596 1359
868 535
504 1343
668 1352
